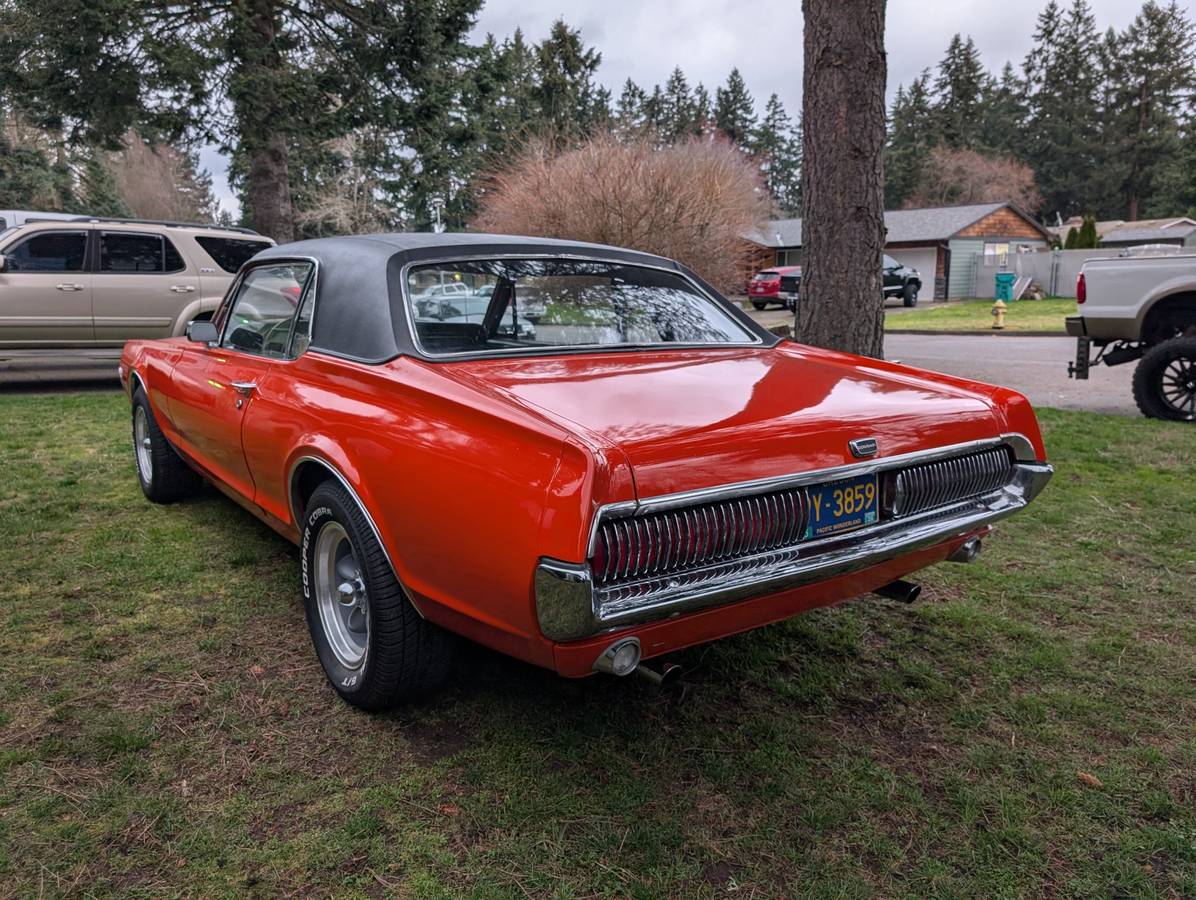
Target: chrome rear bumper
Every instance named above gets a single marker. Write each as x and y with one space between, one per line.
571 606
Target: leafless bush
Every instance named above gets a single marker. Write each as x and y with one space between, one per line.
964 176
162 182
692 201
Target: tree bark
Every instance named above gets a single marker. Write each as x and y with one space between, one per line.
843 230
256 96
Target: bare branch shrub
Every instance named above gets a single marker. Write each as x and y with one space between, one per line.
692 201
160 181
953 177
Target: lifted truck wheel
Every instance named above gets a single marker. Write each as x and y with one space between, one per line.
909 295
1165 381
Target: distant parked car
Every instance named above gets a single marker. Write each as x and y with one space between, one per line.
84 286
900 280
765 287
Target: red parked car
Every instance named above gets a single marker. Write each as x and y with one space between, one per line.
779 284
647 470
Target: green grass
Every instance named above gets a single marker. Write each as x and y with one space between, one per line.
976 315
164 727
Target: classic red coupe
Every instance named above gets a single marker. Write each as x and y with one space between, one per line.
644 470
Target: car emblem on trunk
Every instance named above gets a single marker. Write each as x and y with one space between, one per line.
861 448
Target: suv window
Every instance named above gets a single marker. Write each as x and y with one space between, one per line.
260 319
230 253
48 251
891 263
122 251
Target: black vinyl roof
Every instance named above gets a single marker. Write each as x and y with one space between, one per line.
359 311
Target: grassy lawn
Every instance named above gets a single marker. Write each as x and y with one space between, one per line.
1026 730
976 315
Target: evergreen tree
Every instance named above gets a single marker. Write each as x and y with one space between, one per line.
777 147
702 109
678 117
631 112
1073 239
734 110
654 109
912 134
1151 75
1087 238
1061 135
1003 114
568 98
959 94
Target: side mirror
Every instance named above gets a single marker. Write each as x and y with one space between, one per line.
202 332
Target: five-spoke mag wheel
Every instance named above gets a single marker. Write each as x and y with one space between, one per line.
341 595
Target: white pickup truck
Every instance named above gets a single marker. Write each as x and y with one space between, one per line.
1141 308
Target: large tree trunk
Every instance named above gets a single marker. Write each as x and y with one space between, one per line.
843 231
256 96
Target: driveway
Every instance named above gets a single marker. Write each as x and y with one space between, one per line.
58 376
1035 366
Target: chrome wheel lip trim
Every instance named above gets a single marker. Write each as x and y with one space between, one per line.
142 444
350 646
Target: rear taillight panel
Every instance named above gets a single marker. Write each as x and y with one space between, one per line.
1081 289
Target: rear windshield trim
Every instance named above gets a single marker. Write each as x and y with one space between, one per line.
404 299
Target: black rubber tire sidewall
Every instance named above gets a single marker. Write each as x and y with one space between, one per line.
1148 377
909 295
348 682
759 306
172 479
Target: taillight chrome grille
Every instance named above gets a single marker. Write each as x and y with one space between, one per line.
671 541
940 483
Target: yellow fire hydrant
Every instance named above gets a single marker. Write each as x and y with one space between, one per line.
999 315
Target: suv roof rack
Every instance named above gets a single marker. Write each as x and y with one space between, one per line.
120 220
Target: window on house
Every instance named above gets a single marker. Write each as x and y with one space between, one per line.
996 254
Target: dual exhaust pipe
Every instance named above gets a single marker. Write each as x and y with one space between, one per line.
907 592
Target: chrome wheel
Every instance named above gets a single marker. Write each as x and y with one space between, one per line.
141 443
341 596
1179 387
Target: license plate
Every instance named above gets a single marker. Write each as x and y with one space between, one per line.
789 295
842 505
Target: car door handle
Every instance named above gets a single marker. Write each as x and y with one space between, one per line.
182 288
244 388
69 287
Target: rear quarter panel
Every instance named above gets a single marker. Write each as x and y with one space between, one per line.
459 484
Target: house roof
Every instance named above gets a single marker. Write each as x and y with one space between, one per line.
903 225
1138 231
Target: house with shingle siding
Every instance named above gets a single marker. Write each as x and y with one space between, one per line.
945 244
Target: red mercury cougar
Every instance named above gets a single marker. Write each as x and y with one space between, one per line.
604 462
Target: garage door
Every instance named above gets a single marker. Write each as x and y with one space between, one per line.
922 259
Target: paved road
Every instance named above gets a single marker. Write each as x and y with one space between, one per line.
1035 366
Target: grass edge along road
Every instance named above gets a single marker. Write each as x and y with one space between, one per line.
1037 316
1026 729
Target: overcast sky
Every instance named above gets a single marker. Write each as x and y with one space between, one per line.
645 39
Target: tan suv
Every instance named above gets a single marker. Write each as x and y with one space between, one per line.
87 285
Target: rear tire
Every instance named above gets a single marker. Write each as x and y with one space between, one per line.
759 305
909 295
1165 381
161 472
376 650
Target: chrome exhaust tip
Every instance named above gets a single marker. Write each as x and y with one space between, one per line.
902 591
620 658
667 678
966 552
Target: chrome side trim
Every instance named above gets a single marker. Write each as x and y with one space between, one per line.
1023 450
570 606
344 482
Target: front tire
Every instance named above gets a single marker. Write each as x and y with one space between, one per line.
374 647
1165 381
909 295
161 472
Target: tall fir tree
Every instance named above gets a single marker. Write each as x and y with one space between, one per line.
959 95
678 116
1151 76
1062 135
734 110
1002 114
912 133
630 111
570 101
703 111
777 147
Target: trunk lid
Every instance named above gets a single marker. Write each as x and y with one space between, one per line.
690 419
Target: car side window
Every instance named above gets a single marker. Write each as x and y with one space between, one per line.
891 263
264 309
48 251
122 251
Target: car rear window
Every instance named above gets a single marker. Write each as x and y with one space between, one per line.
532 306
230 253
764 276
